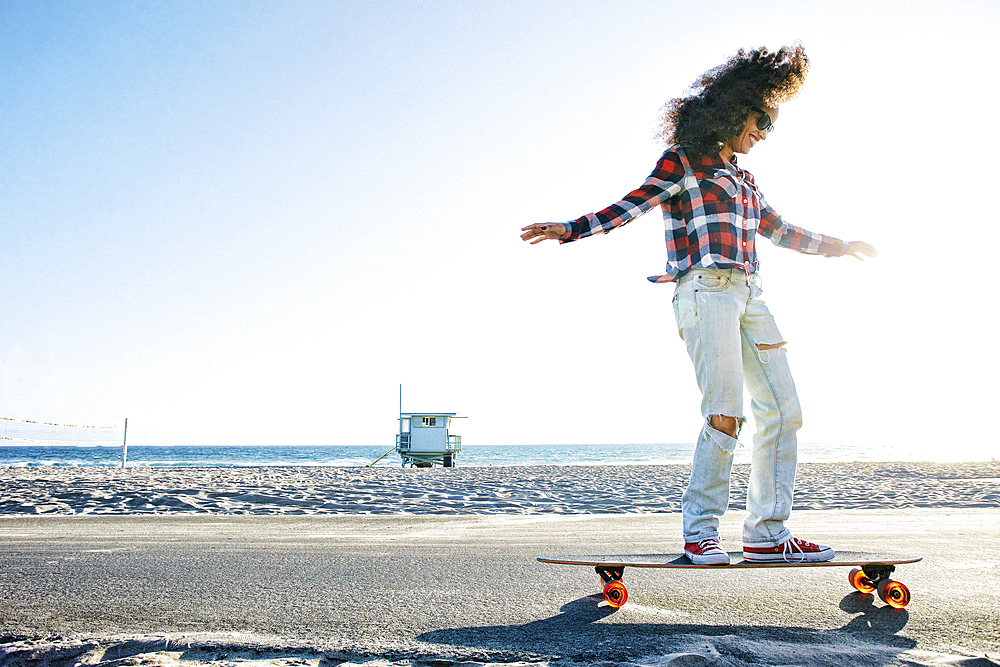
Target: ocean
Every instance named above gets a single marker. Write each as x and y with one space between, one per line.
335 455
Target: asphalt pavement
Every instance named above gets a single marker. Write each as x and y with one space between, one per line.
468 588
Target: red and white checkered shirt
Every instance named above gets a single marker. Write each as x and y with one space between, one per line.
712 212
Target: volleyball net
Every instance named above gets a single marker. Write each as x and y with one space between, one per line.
23 431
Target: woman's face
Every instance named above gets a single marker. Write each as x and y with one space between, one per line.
751 134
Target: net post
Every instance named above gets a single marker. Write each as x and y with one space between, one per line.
125 443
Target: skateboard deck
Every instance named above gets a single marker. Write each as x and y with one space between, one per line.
869 574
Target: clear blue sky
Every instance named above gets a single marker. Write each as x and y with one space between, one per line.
248 222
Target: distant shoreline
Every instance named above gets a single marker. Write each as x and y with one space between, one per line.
284 455
523 490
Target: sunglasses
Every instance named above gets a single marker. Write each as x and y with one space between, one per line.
764 121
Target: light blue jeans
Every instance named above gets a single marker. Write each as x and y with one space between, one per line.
722 320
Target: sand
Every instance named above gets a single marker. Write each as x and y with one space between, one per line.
191 567
488 490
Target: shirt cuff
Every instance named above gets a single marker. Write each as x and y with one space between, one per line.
838 249
572 231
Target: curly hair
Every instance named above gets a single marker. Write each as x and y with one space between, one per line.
718 103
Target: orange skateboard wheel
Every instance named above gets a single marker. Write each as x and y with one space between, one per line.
894 594
859 580
615 593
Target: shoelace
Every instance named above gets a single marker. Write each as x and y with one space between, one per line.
789 550
712 545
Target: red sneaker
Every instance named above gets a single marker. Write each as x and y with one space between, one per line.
706 552
792 551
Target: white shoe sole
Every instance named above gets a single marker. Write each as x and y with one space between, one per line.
708 559
791 557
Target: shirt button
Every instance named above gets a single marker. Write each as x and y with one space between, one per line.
745 201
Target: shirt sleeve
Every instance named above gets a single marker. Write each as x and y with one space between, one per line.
782 234
666 181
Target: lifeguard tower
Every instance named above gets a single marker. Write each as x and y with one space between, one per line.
423 439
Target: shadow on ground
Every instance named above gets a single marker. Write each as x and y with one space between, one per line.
578 633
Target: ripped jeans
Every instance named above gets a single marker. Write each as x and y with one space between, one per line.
723 322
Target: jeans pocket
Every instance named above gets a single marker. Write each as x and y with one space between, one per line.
711 282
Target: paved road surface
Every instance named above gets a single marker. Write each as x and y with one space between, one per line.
468 588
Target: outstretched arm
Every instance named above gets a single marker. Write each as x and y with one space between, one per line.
785 235
542 230
665 182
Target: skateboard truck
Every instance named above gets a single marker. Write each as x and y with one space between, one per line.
877 572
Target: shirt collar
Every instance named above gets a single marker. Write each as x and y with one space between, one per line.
711 161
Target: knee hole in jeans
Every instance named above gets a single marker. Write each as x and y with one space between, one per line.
731 426
764 348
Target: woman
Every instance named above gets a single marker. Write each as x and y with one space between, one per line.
713 213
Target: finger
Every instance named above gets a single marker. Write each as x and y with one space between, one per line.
862 247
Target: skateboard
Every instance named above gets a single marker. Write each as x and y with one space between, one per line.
869 572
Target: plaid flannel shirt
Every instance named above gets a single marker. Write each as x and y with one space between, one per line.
712 212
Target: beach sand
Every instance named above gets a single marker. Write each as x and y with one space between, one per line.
322 567
488 490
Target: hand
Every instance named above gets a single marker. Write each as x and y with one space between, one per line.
542 230
858 248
